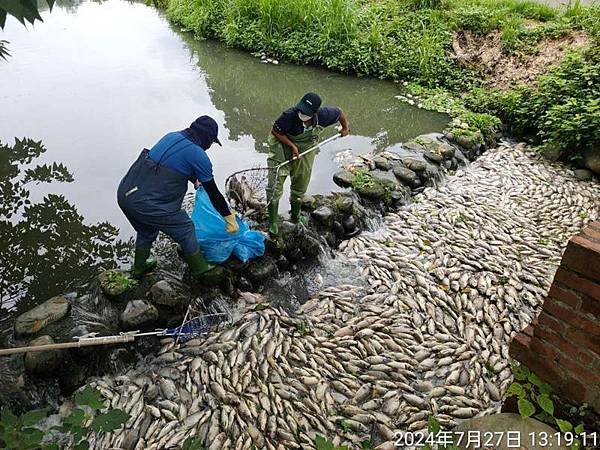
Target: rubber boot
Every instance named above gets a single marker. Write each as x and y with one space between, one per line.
197 264
273 217
295 215
142 263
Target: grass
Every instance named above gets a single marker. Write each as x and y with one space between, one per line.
400 40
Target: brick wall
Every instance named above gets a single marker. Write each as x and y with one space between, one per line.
562 345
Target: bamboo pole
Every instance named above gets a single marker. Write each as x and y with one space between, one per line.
84 342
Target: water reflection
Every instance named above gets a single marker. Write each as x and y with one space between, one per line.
252 94
46 248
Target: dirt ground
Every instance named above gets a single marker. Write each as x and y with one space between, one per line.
503 70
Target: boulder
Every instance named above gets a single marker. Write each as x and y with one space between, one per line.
47 362
288 229
162 293
37 318
344 204
338 228
343 178
583 174
382 163
433 157
591 160
137 314
349 224
323 215
115 282
310 246
465 142
501 424
260 269
405 175
447 151
414 164
244 285
308 201
386 179
373 191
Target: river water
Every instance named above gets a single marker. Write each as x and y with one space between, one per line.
97 82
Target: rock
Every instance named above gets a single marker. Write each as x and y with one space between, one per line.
591 160
323 215
374 191
37 318
433 157
343 178
399 198
499 424
46 363
382 163
294 254
414 164
288 229
137 314
447 151
449 136
244 284
260 269
344 204
115 282
282 263
310 246
465 142
338 228
162 293
583 174
349 224
386 179
330 239
405 175
308 201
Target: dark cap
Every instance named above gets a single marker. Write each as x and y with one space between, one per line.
310 104
206 127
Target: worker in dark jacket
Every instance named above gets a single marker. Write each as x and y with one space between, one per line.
152 192
297 129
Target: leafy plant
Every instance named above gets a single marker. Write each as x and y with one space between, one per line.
322 443
536 399
192 443
91 416
434 428
120 279
22 10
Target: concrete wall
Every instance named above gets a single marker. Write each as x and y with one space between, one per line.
563 345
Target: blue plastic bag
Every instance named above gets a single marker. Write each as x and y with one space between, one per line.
216 243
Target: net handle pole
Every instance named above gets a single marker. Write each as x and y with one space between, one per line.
84 342
312 149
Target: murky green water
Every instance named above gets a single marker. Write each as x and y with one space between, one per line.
96 82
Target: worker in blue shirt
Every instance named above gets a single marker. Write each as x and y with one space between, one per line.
297 129
152 191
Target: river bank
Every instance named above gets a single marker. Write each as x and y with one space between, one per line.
479 61
450 279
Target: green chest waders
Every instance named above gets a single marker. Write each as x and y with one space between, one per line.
299 171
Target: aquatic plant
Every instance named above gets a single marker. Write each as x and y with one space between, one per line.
90 416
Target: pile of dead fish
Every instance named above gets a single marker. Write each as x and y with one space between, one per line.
451 279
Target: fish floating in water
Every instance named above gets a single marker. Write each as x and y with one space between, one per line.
450 279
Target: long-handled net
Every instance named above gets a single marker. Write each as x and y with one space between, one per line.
253 189
189 329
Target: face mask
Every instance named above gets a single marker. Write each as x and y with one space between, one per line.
304 117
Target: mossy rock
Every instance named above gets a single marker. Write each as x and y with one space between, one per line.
382 163
115 282
344 204
343 178
414 164
374 191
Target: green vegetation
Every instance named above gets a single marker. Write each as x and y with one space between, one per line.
536 398
322 443
412 40
562 110
90 416
119 280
